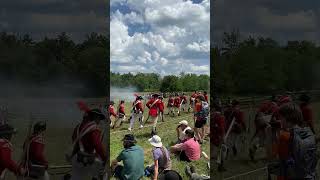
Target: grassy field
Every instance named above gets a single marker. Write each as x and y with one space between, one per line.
166 130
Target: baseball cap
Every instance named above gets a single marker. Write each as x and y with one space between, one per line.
184 122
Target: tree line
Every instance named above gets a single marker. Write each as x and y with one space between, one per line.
264 66
149 82
23 59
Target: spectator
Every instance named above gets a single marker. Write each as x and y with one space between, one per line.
161 157
133 160
181 130
189 150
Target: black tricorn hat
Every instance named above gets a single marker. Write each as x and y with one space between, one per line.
7 129
40 126
98 113
304 98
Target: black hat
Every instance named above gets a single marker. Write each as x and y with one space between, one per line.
39 127
122 101
304 98
112 102
139 97
98 113
155 95
7 129
129 138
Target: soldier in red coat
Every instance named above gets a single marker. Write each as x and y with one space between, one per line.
205 94
170 105
177 104
161 108
136 112
184 102
89 155
6 161
238 127
218 134
112 112
121 115
307 111
262 136
153 104
34 160
193 101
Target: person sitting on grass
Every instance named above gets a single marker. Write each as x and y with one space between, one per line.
133 160
181 131
188 150
161 157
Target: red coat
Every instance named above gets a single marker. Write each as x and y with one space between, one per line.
36 150
138 106
184 98
153 105
6 161
121 109
170 102
219 128
307 114
268 107
177 102
92 140
206 98
161 106
111 111
239 119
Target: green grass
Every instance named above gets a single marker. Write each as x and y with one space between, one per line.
168 135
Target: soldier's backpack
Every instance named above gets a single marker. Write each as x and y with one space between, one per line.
304 153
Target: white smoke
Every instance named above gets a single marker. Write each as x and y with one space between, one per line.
126 93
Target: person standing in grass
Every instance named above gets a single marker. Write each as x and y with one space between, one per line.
133 160
201 116
306 110
161 157
153 104
188 150
297 149
121 115
35 161
6 149
89 155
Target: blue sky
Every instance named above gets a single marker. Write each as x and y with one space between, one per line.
166 37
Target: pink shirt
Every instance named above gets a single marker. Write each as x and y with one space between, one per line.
191 148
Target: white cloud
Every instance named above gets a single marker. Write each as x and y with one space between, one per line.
178 37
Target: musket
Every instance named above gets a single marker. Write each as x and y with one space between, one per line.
25 154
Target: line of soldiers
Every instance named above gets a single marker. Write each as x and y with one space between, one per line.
229 125
88 155
156 106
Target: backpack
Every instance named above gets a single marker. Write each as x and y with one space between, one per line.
204 112
304 153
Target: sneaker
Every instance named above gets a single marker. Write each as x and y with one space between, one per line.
130 129
141 126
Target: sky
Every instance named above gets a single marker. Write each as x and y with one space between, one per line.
41 18
281 20
160 36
